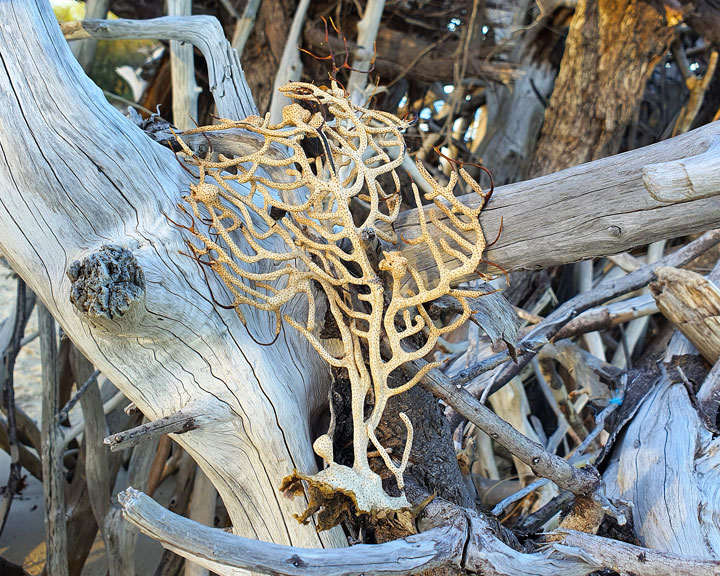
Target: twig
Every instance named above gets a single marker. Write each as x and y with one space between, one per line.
530 347
63 414
52 450
177 423
115 402
541 462
10 355
609 315
605 291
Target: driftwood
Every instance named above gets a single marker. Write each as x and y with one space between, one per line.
52 449
666 450
692 303
466 541
86 190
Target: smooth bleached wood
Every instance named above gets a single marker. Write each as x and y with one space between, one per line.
75 176
227 81
185 90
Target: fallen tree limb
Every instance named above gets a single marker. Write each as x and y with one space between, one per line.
227 81
595 209
96 178
467 543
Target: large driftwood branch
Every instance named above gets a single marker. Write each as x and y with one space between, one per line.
227 81
597 209
668 464
600 208
467 542
74 176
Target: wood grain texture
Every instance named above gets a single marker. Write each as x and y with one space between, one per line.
75 175
465 541
185 90
668 464
591 210
692 303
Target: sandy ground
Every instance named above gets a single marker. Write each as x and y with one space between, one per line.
23 539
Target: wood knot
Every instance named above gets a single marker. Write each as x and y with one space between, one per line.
105 284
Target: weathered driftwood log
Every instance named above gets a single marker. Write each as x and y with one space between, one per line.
143 313
668 464
599 208
465 541
692 303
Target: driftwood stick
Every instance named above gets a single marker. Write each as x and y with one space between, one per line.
584 272
367 28
244 26
185 90
224 553
8 402
634 330
605 291
98 471
530 348
52 450
227 81
28 460
692 303
576 457
202 510
607 199
628 559
608 315
177 423
467 543
85 50
63 414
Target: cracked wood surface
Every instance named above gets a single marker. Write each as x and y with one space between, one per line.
595 209
74 175
465 540
668 464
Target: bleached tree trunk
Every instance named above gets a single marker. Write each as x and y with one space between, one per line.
76 176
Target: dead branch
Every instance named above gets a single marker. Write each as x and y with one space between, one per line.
606 199
227 81
467 542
